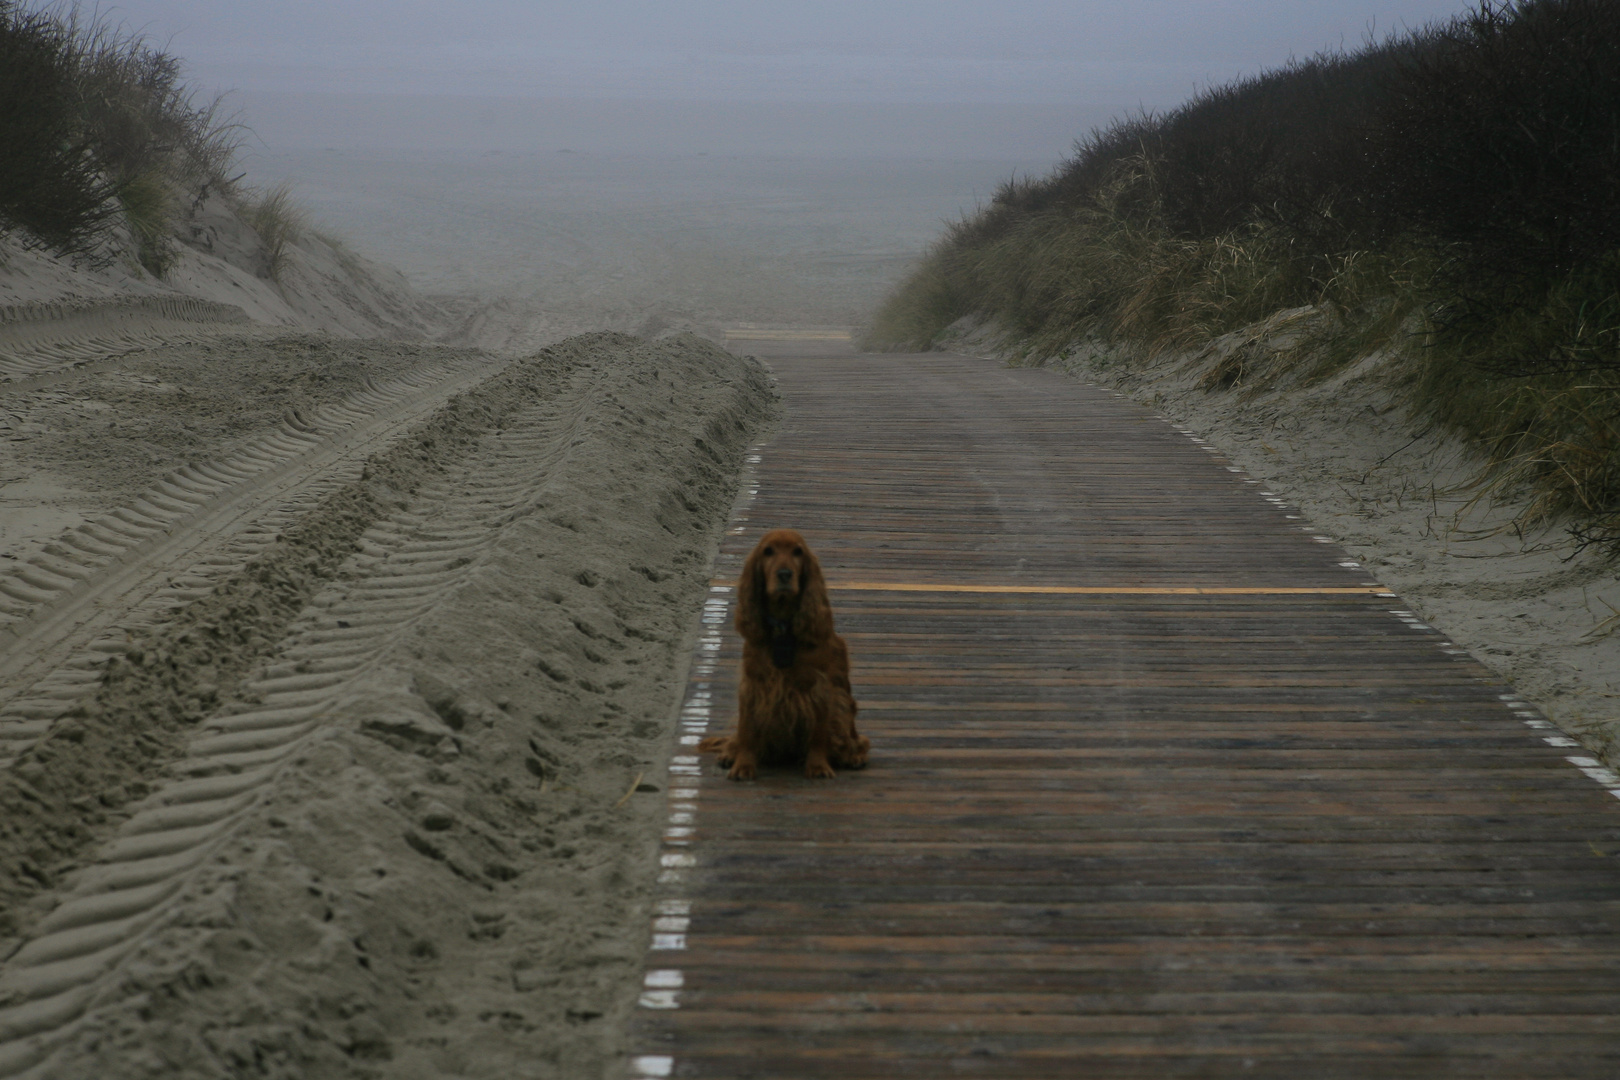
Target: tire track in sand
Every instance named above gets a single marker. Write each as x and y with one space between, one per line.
65 611
38 341
408 562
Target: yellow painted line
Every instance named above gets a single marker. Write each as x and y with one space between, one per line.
1103 590
786 335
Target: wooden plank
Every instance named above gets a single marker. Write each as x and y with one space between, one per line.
1162 785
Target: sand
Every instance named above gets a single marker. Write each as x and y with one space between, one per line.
1402 497
383 800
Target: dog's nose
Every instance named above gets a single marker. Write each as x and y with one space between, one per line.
784 575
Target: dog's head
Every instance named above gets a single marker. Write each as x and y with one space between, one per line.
781 584
783 562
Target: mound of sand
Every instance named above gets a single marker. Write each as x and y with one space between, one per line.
406 824
317 283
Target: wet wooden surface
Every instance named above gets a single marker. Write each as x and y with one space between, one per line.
1279 828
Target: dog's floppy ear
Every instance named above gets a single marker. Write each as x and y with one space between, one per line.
814 620
750 617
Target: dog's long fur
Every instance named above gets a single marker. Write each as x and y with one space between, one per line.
793 701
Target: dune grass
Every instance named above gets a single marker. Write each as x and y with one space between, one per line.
278 220
51 182
1448 192
98 130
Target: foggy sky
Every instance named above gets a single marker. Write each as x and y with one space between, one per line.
1147 52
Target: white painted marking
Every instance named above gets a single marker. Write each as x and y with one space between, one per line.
681 817
675 860
678 832
1539 725
664 979
690 740
679 760
683 793
1559 740
659 999
657 1067
672 924
668 942
673 907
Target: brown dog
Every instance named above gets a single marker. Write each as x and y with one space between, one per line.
793 701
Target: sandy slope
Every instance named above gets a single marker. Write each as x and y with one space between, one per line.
332 661
390 804
1400 497
318 285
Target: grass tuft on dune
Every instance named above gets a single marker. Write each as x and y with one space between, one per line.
103 146
1446 194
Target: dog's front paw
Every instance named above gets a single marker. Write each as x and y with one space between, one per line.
742 767
817 768
723 745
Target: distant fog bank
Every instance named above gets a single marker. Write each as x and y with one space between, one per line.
284 121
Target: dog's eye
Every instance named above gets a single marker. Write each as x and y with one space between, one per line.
798 552
768 551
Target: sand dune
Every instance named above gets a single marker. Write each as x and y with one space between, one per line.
327 749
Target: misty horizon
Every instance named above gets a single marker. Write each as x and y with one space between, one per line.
719 159
1040 71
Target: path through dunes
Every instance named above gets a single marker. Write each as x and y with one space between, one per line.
1162 783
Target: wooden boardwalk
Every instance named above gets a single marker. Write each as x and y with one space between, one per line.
1160 786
